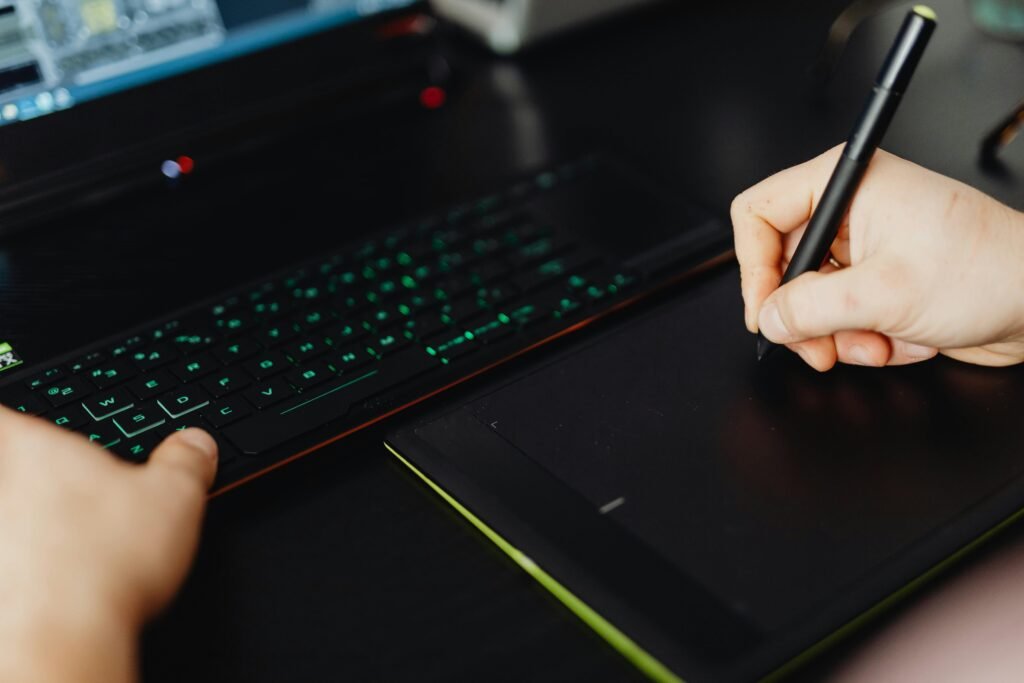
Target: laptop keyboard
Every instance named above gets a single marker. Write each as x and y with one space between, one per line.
333 345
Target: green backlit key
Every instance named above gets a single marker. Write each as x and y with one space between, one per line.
240 349
85 362
137 450
69 417
24 403
44 378
108 403
183 401
139 420
308 376
350 358
224 412
306 348
110 373
226 382
195 367
103 435
266 364
266 394
451 345
152 384
153 357
68 391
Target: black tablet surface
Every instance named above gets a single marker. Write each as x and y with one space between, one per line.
716 519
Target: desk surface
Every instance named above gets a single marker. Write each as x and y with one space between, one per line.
341 566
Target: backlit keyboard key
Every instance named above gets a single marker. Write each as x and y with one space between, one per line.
183 401
68 391
139 420
108 403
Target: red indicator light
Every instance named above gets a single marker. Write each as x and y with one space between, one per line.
186 164
433 97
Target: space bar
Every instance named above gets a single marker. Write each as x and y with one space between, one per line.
277 425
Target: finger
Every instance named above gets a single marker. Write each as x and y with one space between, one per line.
776 205
178 474
821 304
819 353
190 455
905 353
863 348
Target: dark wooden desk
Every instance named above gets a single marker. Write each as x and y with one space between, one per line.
341 566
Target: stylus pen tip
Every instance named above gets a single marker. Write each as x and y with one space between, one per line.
764 347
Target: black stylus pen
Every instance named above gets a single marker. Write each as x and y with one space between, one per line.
860 147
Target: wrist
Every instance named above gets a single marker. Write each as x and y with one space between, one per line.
60 645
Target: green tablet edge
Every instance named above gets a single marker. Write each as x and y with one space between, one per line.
636 655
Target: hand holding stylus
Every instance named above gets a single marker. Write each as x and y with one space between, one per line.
927 265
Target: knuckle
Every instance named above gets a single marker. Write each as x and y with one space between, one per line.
739 206
797 308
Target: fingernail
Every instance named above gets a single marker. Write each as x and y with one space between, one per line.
200 440
859 355
771 325
919 352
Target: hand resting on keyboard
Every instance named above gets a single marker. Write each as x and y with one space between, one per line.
92 546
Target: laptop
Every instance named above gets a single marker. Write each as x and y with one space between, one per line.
101 101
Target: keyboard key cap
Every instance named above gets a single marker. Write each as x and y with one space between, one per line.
266 364
450 345
181 424
226 382
69 417
24 402
340 335
89 360
152 384
67 391
238 350
110 373
489 328
389 342
309 376
183 401
266 394
194 342
108 403
138 450
139 420
124 349
306 348
103 434
196 367
225 412
45 378
154 357
233 323
278 334
350 358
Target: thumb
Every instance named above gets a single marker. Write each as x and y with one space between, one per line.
191 453
179 473
821 304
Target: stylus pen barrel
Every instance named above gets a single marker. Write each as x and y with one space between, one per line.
828 216
871 126
906 52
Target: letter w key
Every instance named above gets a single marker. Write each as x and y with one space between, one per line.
108 404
